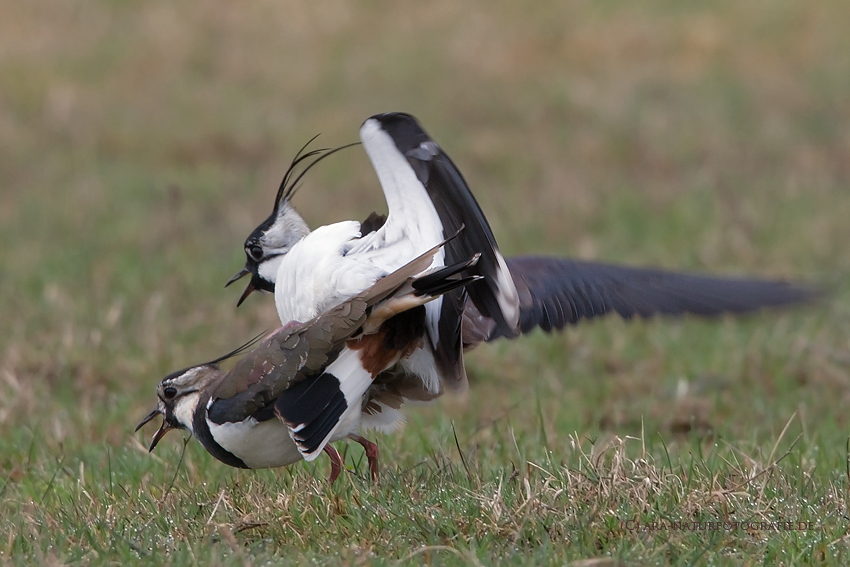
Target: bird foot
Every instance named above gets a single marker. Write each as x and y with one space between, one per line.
371 454
336 463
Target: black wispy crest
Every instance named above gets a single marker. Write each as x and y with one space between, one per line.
239 350
288 184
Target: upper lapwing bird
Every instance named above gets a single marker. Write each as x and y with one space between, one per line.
426 193
312 383
428 201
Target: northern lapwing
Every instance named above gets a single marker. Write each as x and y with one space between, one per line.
428 201
311 383
426 193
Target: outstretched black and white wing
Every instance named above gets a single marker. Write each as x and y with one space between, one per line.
429 201
555 292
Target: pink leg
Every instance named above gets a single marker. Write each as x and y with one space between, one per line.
336 462
371 453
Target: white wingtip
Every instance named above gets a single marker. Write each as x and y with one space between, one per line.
507 296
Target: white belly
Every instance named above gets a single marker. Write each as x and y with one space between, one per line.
260 445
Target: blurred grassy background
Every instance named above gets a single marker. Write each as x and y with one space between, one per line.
141 142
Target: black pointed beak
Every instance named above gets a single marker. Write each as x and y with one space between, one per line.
241 274
147 418
251 287
163 429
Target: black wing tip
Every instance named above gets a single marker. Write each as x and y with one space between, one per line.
403 128
560 291
309 437
774 300
395 117
312 409
441 275
780 294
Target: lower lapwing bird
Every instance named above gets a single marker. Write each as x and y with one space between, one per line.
311 383
426 193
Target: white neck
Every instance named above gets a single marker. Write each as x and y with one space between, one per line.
288 229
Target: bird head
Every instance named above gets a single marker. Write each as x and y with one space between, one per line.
266 246
178 395
271 240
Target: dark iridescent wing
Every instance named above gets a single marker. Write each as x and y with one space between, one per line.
555 292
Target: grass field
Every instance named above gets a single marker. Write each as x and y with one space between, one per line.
141 142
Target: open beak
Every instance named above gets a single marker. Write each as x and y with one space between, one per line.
239 275
248 290
147 418
251 287
163 429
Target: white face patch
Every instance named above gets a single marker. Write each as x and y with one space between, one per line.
188 386
184 409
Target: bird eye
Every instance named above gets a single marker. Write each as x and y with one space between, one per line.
169 392
255 252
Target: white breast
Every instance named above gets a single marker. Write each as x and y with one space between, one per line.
317 274
260 445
